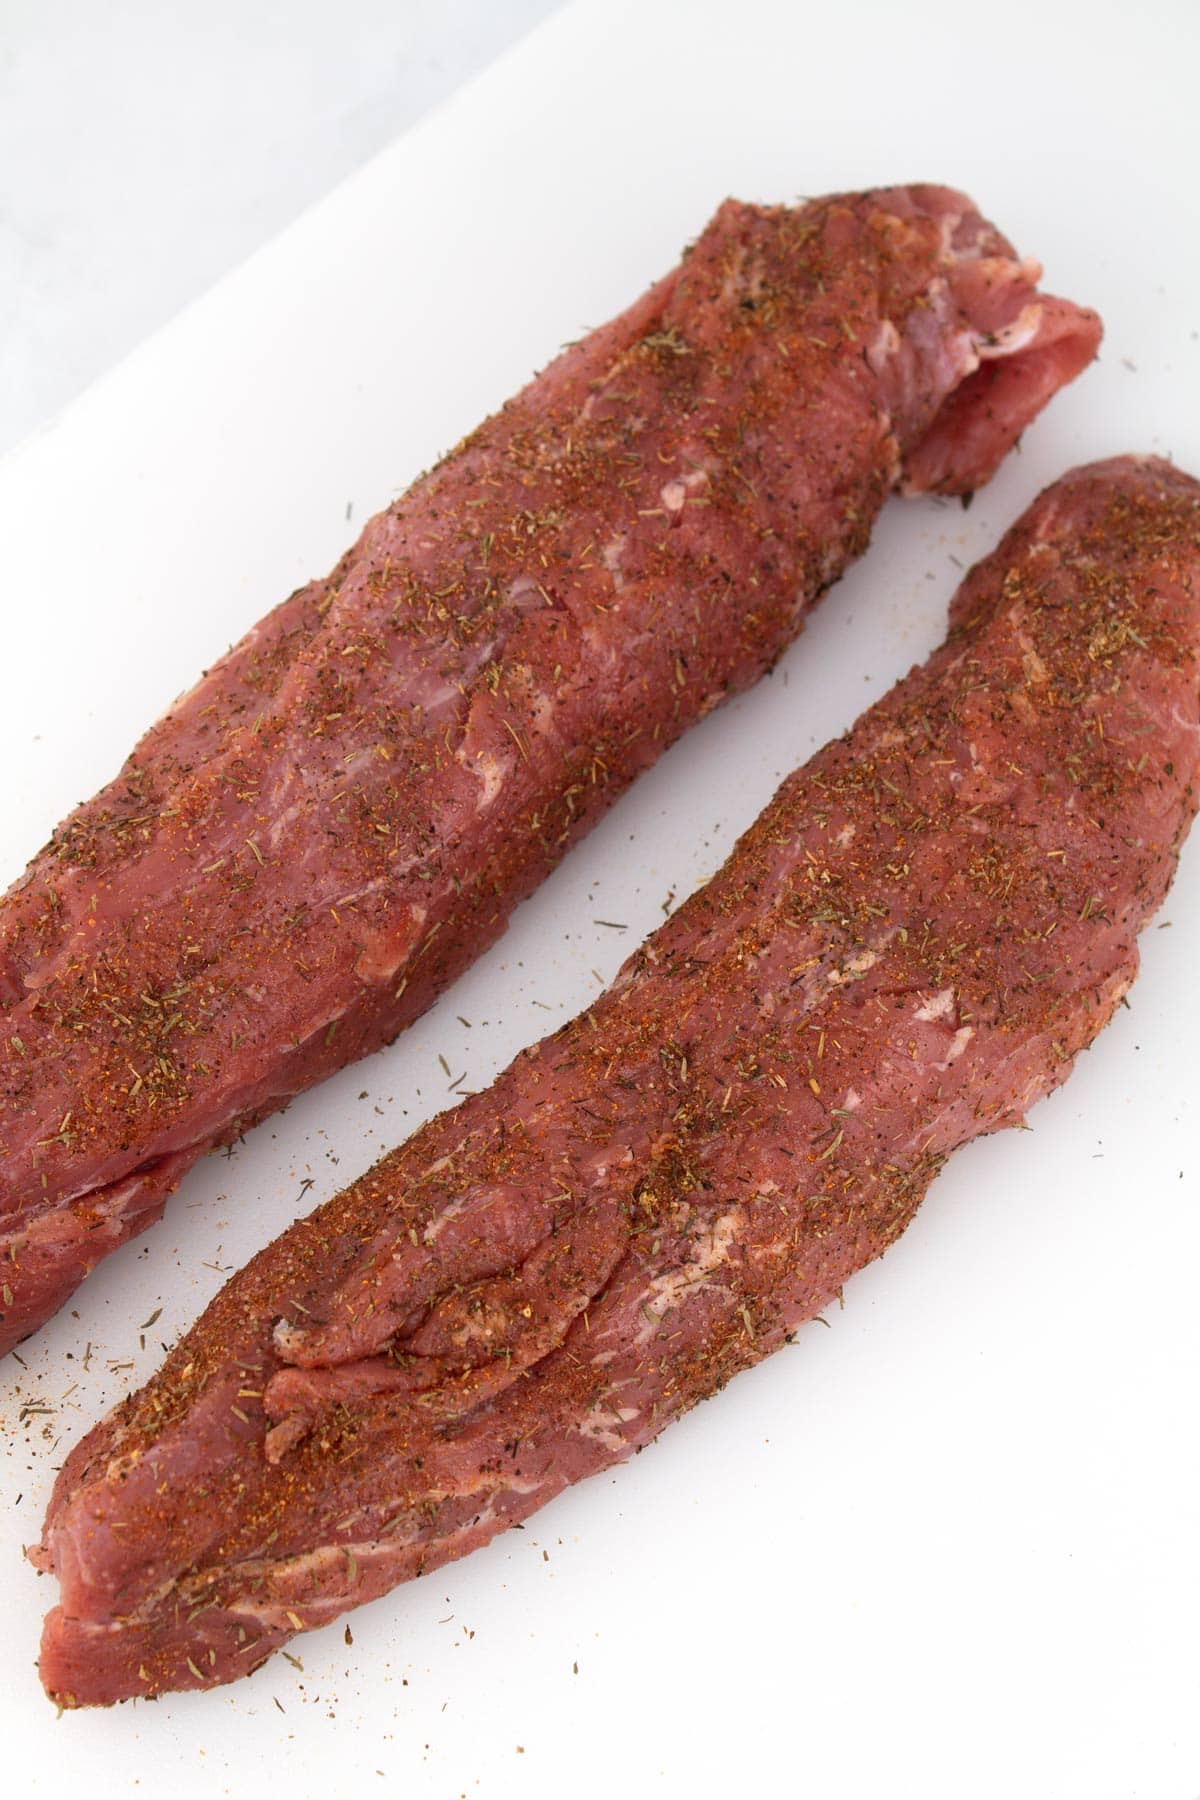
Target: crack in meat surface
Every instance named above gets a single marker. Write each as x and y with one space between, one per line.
909 948
343 813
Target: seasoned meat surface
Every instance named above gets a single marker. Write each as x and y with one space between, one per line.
344 812
909 948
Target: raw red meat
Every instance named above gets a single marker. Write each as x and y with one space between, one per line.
345 811
908 949
349 805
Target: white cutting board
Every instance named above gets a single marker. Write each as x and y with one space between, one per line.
950 1547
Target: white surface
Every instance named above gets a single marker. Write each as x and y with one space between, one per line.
948 1547
147 146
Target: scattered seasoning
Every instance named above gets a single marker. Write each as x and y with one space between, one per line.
515 735
819 909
